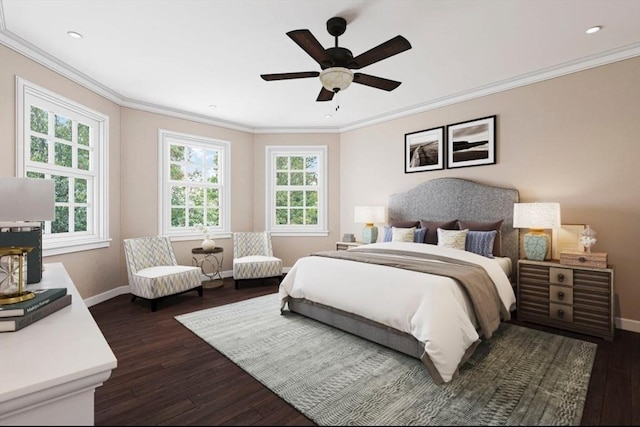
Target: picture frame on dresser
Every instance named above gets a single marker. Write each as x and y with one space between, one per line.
424 150
566 238
471 143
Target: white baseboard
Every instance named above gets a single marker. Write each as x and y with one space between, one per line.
628 324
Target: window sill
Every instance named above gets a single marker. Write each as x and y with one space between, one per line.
66 248
299 233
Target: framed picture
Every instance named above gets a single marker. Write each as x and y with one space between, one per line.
471 143
424 150
566 238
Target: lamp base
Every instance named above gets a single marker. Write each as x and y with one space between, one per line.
370 234
535 246
16 297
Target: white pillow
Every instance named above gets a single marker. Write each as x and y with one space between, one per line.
402 234
452 238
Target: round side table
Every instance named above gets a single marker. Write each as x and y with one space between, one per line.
210 264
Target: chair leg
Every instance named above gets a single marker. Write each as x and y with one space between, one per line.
199 289
154 305
235 283
133 298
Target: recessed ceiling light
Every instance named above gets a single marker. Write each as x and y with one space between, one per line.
74 34
328 115
213 107
594 29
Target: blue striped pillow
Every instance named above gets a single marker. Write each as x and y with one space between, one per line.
481 242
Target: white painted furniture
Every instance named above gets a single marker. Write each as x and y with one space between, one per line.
50 369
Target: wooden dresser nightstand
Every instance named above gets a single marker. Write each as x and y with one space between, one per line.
578 299
343 246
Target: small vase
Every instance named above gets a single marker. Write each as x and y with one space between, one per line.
208 244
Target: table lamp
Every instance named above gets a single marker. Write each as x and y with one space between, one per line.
536 217
369 215
24 202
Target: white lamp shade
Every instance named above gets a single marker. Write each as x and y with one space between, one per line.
335 79
26 199
369 214
536 215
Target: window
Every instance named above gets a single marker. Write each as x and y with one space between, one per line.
296 190
64 141
195 185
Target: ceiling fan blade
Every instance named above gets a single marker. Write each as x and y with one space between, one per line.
377 82
311 45
286 76
325 95
385 50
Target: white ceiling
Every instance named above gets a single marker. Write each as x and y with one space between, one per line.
181 56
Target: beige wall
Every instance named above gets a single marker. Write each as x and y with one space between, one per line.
95 271
573 139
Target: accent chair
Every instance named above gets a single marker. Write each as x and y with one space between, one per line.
253 257
154 272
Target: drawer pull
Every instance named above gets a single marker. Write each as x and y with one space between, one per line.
560 277
560 312
582 259
560 295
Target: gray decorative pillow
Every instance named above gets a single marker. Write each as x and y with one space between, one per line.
481 242
486 226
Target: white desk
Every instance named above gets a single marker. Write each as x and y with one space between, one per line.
50 369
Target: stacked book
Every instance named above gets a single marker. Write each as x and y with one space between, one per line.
14 317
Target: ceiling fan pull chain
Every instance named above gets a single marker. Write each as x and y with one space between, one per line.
337 100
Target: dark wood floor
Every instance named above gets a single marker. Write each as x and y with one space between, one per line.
166 375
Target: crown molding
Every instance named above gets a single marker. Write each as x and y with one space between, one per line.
32 52
570 67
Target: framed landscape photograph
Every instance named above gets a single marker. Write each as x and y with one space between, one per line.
471 143
424 150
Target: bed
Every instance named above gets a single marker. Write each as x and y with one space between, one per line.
427 301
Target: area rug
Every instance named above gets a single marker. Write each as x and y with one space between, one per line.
520 376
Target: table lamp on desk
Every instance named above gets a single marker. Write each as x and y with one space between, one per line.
24 203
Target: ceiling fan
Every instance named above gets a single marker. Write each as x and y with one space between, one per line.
337 62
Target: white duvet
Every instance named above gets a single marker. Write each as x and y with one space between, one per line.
434 309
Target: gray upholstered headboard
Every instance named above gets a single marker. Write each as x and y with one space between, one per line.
444 199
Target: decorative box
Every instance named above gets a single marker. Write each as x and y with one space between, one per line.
584 259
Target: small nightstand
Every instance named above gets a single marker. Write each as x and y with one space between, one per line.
578 299
343 246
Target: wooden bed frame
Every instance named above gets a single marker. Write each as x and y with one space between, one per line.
440 199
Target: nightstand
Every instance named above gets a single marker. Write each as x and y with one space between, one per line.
343 246
578 299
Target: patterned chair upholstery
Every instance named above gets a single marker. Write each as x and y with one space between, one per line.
154 272
253 257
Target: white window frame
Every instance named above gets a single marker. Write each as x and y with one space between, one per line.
165 139
321 229
97 235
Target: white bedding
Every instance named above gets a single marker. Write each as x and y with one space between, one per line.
434 309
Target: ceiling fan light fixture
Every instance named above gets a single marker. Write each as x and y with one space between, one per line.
336 79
